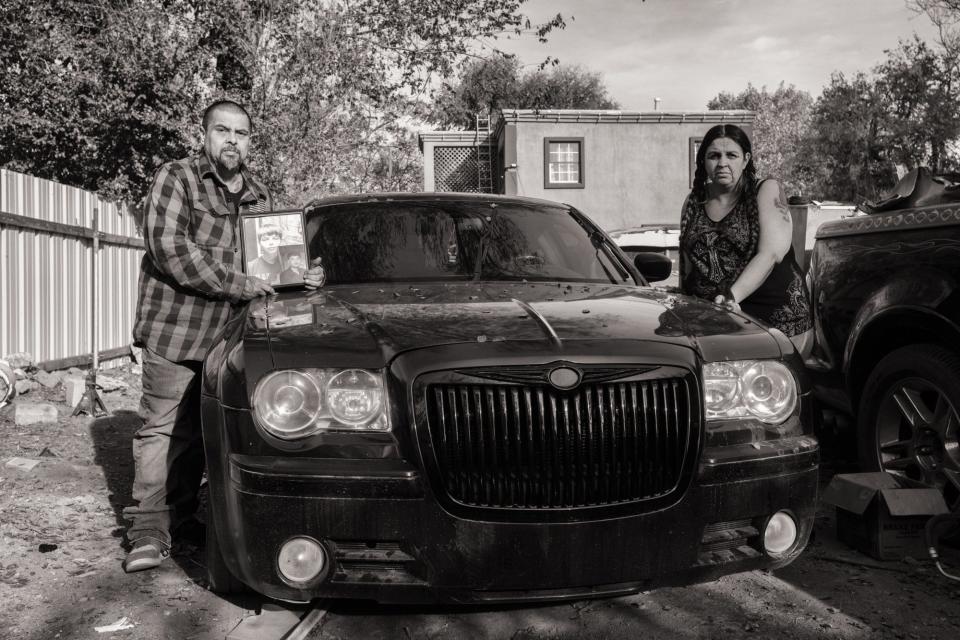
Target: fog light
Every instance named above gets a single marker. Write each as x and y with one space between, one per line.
780 534
301 560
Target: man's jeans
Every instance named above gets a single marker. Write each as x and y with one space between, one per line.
168 448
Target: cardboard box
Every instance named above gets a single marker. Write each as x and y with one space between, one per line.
883 515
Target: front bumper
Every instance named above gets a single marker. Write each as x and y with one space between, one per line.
389 539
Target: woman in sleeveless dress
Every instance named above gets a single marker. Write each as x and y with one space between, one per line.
736 239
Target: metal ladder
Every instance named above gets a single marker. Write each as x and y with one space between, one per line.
484 154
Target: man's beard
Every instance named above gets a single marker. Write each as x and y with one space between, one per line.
231 163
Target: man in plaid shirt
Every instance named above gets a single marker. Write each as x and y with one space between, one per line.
190 278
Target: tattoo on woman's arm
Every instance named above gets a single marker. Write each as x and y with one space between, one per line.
780 202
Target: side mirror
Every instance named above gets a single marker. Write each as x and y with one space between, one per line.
653 266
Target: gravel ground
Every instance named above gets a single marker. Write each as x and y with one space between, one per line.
61 538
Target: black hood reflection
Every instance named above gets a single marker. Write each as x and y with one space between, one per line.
685 316
374 323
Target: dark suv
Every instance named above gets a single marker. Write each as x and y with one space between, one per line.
886 292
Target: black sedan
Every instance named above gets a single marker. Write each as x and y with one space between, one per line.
487 402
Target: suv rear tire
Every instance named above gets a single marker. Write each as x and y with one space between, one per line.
908 421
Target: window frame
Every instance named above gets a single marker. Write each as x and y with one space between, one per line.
547 184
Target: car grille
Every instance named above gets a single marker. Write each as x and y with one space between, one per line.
530 446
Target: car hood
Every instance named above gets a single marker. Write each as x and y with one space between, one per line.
366 326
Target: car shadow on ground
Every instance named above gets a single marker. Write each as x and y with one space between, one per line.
190 556
723 609
907 598
829 591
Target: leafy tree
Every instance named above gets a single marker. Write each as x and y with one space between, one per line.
846 154
564 87
91 95
862 130
922 99
782 120
485 86
945 15
98 94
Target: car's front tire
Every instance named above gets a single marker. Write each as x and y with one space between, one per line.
908 421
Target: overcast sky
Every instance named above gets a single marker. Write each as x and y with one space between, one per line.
687 51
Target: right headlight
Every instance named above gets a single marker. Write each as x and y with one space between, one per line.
765 390
354 396
297 403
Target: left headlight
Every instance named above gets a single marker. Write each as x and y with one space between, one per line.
762 389
296 403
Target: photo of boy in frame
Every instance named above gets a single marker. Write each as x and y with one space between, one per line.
274 248
295 262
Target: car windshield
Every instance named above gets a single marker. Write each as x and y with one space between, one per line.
427 241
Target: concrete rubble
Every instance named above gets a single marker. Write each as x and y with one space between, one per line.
19 376
24 464
25 385
20 360
28 413
73 389
47 379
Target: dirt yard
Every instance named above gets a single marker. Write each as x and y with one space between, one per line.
61 547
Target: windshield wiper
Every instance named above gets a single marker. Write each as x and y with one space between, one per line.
599 243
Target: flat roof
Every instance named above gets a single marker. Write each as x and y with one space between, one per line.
605 116
465 137
735 116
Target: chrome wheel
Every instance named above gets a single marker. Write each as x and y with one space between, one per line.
917 427
909 424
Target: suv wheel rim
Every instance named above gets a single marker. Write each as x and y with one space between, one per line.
917 436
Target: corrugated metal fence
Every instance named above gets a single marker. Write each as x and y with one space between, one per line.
46 285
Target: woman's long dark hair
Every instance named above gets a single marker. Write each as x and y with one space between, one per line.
748 181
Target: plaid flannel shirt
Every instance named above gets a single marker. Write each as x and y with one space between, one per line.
192 272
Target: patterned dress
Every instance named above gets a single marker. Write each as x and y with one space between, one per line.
714 254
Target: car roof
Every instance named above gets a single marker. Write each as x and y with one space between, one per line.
472 198
654 227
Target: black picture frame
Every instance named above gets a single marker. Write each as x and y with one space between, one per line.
281 271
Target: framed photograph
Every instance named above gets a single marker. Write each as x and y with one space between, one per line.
274 248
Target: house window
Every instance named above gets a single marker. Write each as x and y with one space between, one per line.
563 163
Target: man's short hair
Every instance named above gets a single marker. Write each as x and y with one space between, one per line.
230 104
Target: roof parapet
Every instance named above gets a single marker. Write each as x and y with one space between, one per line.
465 136
737 116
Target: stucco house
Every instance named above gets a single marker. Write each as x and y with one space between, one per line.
622 168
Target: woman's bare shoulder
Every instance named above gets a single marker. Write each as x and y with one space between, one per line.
769 186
